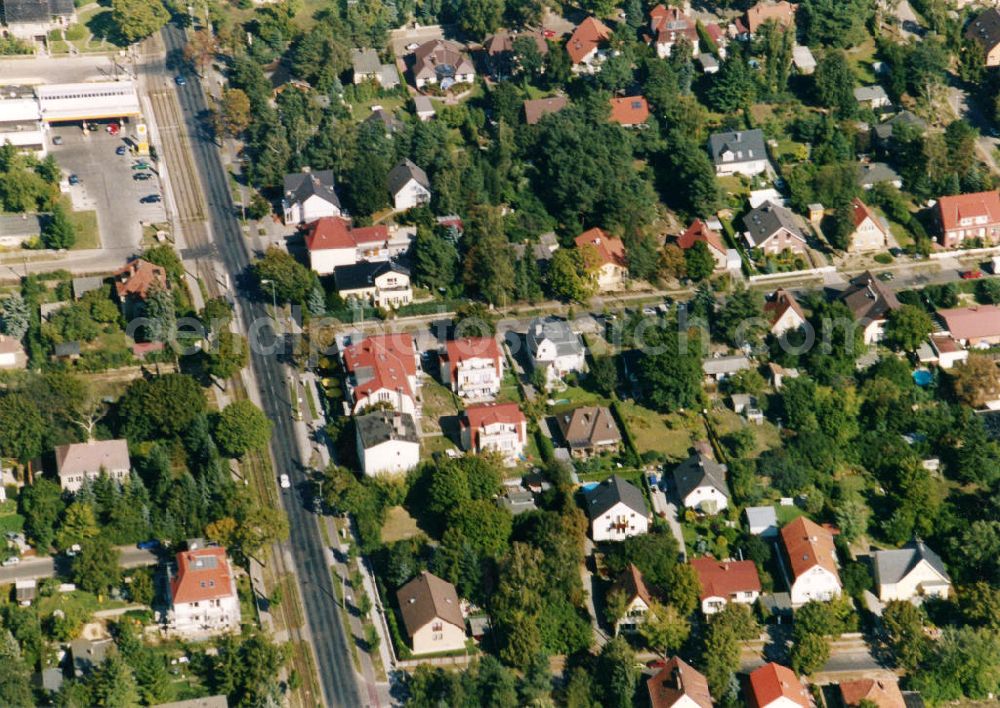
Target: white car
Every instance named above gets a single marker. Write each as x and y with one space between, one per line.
13 560
285 482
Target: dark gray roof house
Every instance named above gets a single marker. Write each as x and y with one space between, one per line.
403 172
302 185
883 131
744 145
877 172
985 30
868 299
612 491
35 11
383 426
767 221
365 62
391 123
558 332
893 565
362 275
699 470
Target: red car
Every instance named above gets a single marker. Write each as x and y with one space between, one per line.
549 34
972 274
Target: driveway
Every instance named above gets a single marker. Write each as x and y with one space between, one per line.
399 39
909 23
665 508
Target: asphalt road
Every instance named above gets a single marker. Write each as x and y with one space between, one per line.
330 648
46 566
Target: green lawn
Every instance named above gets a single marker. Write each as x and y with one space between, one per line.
399 525
574 397
726 422
438 402
87 234
670 435
436 443
509 391
787 513
861 58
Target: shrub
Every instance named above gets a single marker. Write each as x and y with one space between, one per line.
883 258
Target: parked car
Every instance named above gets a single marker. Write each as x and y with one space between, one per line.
57 140
972 274
142 176
151 199
885 276
73 550
73 179
141 165
285 481
150 545
180 80
121 150
13 560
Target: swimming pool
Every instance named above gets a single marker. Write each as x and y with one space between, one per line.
922 377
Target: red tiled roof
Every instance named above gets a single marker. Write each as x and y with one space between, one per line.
586 37
782 301
714 31
972 322
137 277
669 22
633 585
630 110
536 109
332 232
675 681
391 359
610 249
773 681
883 692
203 574
782 12
861 211
808 544
699 231
953 209
725 578
479 416
459 350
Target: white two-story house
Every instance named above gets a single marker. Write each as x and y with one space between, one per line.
382 369
495 427
812 561
701 484
617 510
387 442
555 349
913 571
474 367
203 598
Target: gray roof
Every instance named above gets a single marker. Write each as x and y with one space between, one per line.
893 566
67 349
614 490
403 172
388 76
725 364
803 57
883 131
517 501
84 285
392 123
869 299
700 471
985 29
423 104
877 172
302 185
363 274
746 145
50 680
768 219
33 11
89 654
761 516
870 93
558 332
365 61
707 61
383 426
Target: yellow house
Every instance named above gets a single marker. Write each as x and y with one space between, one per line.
432 615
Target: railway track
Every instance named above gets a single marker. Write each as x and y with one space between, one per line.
175 146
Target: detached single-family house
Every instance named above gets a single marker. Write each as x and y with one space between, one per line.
772 228
12 355
611 264
873 97
870 232
803 59
617 510
812 561
784 312
309 196
719 368
678 685
668 26
431 614
870 302
777 686
555 349
701 484
738 152
501 60
368 67
873 173
387 442
945 351
32 20
748 406
537 108
589 430
910 572
333 241
495 427
776 375
637 597
88 654
474 367
629 111
442 63
77 462
964 217
587 46
408 186
985 31
881 692
203 598
382 369
762 521
782 13
723 582
973 326
133 284
882 133
701 231
385 284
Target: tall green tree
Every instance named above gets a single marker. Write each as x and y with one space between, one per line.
291 281
95 568
834 81
242 427
138 19
58 231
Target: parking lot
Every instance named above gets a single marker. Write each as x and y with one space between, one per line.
107 183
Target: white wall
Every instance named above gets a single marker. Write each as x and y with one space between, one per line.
410 195
749 168
634 524
206 616
910 586
390 457
817 583
708 499
437 636
325 260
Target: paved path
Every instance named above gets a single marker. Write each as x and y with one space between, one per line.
668 510
47 566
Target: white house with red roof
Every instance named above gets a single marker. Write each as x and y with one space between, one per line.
611 264
587 46
869 234
812 561
332 242
203 597
669 25
383 370
495 427
723 582
964 217
784 312
474 367
701 231
777 686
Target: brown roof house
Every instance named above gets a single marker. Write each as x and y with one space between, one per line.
589 430
133 284
537 108
777 686
985 31
883 692
784 312
499 49
670 25
964 217
812 560
587 46
700 231
432 614
782 13
870 233
443 63
678 685
629 111
79 461
637 598
870 301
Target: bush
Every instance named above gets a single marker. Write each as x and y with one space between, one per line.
884 258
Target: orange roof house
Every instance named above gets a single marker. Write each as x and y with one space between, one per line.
883 692
726 581
973 325
612 266
812 560
463 361
670 24
630 111
500 427
700 231
586 39
678 683
784 312
332 232
137 278
782 13
776 685
383 369
969 216
202 575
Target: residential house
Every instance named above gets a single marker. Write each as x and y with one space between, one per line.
669 25
781 13
87 654
784 312
408 185
882 133
555 349
474 367
382 369
678 685
49 681
387 442
946 351
629 111
537 108
738 152
873 97
880 692
133 284
699 231
964 217
66 351
873 173
391 125
975 326
517 501
368 67
202 595
495 427
723 582
812 561
432 615
589 430
776 375
762 521
309 196
701 484
77 462
772 228
746 405
870 232
33 20
332 242
709 64
612 267
803 60
632 587
587 46
442 63
913 571
499 50
423 108
12 355
870 302
617 510
385 284
719 368
777 686
985 31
